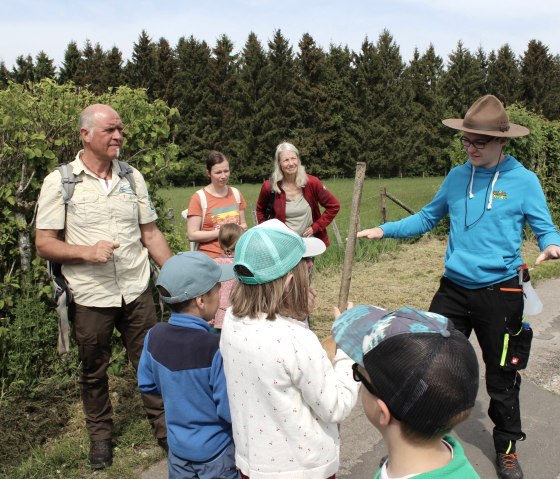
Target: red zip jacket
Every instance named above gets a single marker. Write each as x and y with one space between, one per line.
315 194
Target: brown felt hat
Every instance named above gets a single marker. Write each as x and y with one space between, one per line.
487 116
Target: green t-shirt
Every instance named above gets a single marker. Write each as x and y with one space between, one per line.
458 468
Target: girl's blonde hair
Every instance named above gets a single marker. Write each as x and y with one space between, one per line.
277 175
283 297
228 236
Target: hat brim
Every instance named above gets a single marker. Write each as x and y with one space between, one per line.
352 326
313 246
513 132
227 272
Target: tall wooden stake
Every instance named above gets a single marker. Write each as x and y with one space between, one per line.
352 231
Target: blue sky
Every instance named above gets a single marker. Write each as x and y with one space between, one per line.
28 26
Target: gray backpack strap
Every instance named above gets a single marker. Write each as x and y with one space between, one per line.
126 171
68 181
62 295
63 343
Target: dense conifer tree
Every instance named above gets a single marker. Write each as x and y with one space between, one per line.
252 146
503 78
113 72
166 70
280 98
539 79
311 136
425 137
141 70
365 76
44 66
552 107
100 79
223 105
71 63
24 69
463 81
4 75
393 97
91 69
193 101
382 98
341 112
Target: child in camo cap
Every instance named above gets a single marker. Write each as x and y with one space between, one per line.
420 378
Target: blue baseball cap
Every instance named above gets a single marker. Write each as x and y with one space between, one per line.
191 274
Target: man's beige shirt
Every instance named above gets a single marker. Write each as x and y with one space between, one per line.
93 215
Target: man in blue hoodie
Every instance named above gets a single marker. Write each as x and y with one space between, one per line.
181 361
489 199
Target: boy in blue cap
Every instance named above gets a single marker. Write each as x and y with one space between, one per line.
420 378
182 362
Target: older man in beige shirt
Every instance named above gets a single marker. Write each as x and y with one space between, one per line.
103 237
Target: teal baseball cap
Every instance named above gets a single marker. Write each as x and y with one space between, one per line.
191 274
270 251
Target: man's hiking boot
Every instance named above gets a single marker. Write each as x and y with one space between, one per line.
162 442
100 454
508 466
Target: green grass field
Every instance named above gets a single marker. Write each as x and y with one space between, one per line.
413 192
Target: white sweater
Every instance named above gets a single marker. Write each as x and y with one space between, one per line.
285 397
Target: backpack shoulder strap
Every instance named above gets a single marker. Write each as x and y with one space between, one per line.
68 181
62 294
203 202
125 171
203 206
236 194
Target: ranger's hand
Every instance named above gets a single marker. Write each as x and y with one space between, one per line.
372 233
552 251
102 251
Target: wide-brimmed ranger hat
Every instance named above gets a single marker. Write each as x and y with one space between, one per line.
487 116
191 274
271 250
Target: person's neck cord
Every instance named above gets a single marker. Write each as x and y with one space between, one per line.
105 178
467 226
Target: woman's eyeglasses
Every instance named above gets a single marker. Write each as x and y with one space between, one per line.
478 144
358 374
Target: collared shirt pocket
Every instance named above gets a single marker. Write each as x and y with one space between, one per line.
85 208
126 208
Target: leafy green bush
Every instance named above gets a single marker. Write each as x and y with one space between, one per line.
28 342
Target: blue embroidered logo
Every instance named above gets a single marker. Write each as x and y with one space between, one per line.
125 188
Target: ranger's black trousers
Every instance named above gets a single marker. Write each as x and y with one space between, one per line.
490 312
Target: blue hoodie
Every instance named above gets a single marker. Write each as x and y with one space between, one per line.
488 209
181 361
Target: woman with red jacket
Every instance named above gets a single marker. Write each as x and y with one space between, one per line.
296 196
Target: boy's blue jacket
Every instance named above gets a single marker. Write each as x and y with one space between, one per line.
488 209
181 361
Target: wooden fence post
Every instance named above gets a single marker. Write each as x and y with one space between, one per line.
352 231
383 205
336 233
253 213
